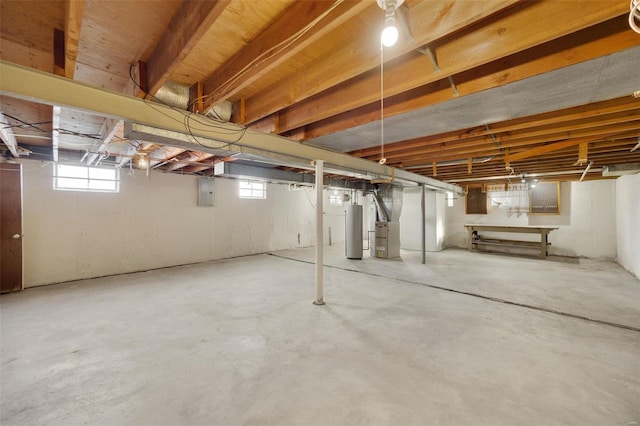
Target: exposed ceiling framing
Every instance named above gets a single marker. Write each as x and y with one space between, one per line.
474 91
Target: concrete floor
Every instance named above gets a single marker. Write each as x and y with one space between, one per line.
504 341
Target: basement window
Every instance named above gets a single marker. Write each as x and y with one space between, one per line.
449 199
335 199
252 189
81 178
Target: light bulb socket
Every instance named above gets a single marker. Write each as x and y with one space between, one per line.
390 10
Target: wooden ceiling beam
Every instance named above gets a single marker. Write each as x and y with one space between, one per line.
623 144
194 168
428 159
605 38
161 155
73 10
429 21
516 147
289 35
192 157
552 134
583 153
595 126
519 143
586 113
59 57
186 28
565 144
527 26
570 126
108 131
591 112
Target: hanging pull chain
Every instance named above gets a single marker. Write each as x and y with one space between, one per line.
382 159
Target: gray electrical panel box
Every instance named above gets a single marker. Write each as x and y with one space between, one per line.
205 192
387 241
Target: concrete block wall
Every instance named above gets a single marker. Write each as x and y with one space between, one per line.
435 218
628 222
587 221
155 222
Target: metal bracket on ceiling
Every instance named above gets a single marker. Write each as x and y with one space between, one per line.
453 86
493 137
404 24
426 50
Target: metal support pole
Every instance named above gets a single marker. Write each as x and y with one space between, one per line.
319 233
423 225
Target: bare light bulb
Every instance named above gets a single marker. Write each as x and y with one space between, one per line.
389 35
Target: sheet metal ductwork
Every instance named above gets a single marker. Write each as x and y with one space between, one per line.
177 96
174 94
388 199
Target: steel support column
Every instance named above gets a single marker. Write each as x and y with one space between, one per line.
319 232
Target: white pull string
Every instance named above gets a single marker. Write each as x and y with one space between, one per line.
382 159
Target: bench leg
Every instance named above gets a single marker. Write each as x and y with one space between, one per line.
543 245
470 243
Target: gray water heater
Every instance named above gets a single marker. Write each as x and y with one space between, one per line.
353 232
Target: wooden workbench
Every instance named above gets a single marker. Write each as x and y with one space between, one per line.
478 240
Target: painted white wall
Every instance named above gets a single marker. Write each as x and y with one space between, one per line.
628 222
435 214
587 221
155 222
411 216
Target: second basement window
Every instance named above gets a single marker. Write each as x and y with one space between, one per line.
81 178
252 189
335 199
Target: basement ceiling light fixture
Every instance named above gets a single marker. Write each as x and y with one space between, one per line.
389 35
531 183
142 161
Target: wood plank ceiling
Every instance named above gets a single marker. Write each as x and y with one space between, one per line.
311 71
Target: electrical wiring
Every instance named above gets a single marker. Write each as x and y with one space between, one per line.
26 124
269 53
277 48
74 133
308 199
188 116
189 129
183 112
20 126
314 206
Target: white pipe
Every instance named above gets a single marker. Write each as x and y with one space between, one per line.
423 225
568 172
319 233
586 170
